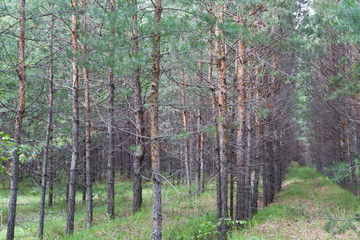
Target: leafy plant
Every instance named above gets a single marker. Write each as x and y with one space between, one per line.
207 230
8 146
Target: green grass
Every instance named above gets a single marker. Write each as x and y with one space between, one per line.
306 196
183 216
302 210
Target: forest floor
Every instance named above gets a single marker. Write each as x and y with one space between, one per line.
309 206
302 210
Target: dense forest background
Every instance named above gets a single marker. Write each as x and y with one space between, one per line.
193 95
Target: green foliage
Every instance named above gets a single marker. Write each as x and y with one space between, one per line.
206 230
334 226
183 134
8 145
338 172
263 112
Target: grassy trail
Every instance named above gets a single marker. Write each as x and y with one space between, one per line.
303 208
306 196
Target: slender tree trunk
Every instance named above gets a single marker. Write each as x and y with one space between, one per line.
185 125
216 153
222 101
18 124
265 180
51 176
270 160
89 199
201 152
75 123
248 187
277 159
353 149
111 125
233 147
192 143
241 118
139 121
259 149
202 156
201 138
154 124
48 131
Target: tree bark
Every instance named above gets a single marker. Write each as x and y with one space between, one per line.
110 128
89 199
216 153
233 146
222 101
201 139
18 125
248 187
48 130
185 125
51 176
75 122
353 148
154 126
241 119
259 148
139 121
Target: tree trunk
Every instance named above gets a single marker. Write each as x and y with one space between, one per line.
201 152
259 149
233 147
201 139
248 188
222 101
154 124
216 156
111 125
353 148
51 176
89 199
18 124
75 123
270 160
185 125
139 121
48 131
241 118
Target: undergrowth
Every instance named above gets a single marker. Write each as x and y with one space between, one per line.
308 207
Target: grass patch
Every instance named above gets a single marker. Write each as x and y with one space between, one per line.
303 209
300 211
183 217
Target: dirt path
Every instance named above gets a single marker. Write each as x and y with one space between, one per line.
302 211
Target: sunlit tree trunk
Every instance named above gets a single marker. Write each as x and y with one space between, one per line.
18 125
88 165
154 126
241 119
222 102
75 122
139 120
